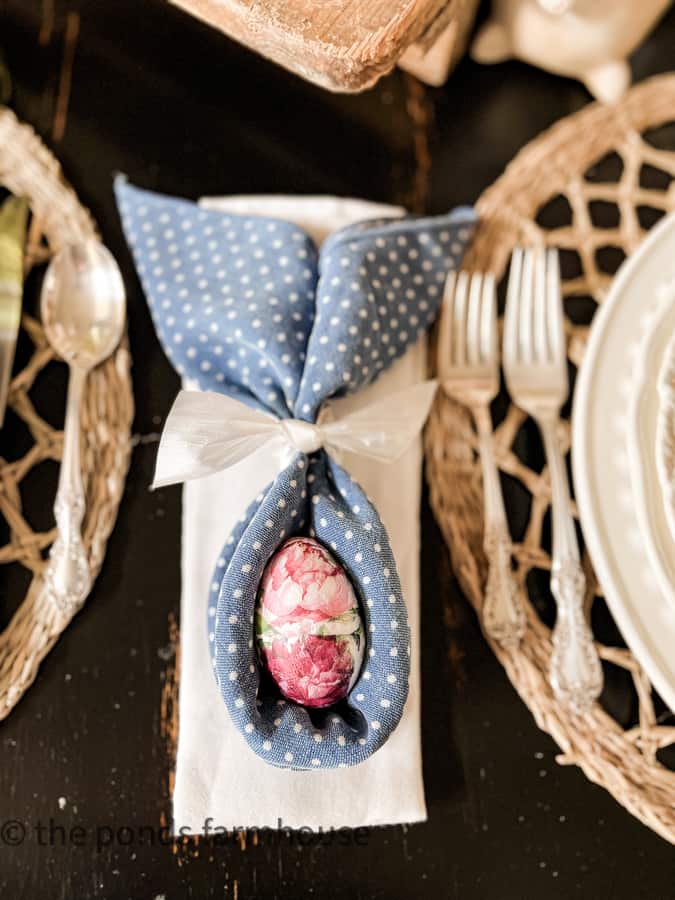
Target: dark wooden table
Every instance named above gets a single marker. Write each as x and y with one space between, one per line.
181 109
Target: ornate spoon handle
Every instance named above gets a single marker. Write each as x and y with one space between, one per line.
503 613
67 575
576 672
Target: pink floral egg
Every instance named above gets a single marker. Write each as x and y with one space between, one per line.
308 625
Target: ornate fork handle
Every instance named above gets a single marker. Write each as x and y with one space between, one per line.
67 576
576 672
503 614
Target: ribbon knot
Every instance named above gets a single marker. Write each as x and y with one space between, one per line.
303 436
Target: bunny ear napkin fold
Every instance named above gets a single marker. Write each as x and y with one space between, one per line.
267 330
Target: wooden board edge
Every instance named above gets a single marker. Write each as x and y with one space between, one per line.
339 69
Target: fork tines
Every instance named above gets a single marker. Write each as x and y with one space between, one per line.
468 332
533 331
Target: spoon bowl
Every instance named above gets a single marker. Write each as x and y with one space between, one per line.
83 303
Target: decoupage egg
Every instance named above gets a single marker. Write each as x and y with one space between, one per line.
308 625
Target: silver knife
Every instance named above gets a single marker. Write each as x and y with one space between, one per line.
13 222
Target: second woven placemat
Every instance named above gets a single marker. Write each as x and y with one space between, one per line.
592 185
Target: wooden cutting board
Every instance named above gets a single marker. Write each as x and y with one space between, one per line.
342 45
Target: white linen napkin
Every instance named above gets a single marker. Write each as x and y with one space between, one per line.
217 776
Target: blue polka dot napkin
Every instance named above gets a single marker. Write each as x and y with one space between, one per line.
247 306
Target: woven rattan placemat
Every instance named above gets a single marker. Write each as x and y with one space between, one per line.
28 169
591 185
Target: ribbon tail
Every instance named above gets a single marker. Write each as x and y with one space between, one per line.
207 432
385 429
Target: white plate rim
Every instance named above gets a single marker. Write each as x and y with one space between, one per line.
643 449
584 491
665 432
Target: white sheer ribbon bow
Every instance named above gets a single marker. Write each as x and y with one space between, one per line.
207 432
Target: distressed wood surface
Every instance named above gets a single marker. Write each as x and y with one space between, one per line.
343 45
86 758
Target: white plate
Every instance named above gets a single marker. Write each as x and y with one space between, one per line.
665 432
645 448
600 458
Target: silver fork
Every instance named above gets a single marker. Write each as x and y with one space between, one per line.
468 363
536 374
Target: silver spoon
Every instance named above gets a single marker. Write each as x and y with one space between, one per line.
83 308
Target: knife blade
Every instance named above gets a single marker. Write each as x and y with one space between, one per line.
13 222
